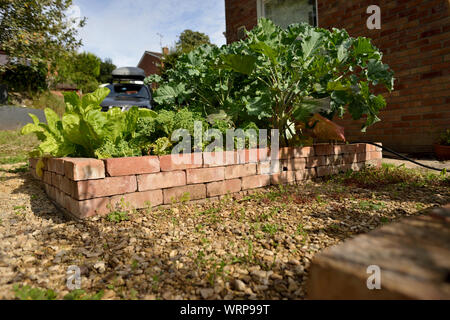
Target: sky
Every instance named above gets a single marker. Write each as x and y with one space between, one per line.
123 29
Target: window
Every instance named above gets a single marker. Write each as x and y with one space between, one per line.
128 90
286 12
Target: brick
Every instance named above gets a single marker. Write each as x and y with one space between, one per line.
50 191
268 167
362 147
220 158
57 180
68 186
411 254
32 162
333 160
295 152
84 169
205 175
316 161
326 171
131 165
253 182
238 171
34 174
253 155
161 180
349 158
138 200
293 164
88 208
89 189
323 149
181 161
282 177
47 177
305 174
193 192
361 157
56 165
223 187
60 198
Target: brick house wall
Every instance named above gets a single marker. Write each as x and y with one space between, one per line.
149 62
415 40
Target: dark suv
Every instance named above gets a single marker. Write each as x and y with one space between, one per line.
127 90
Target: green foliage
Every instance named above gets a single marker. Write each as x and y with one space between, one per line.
276 77
85 131
445 138
189 40
82 295
118 216
36 31
83 70
22 78
28 293
106 68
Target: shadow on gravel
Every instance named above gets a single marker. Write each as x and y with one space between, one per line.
40 204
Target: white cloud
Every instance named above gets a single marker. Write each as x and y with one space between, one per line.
124 29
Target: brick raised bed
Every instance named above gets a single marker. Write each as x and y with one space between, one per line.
87 187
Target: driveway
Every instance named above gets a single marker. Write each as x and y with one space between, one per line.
12 117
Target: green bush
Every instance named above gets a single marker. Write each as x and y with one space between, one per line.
277 77
22 78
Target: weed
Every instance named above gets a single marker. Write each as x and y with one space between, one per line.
270 228
28 293
371 205
82 295
118 216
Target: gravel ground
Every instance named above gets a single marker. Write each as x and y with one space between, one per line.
257 246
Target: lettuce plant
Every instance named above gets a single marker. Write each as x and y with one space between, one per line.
86 131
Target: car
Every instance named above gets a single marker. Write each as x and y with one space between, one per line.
127 90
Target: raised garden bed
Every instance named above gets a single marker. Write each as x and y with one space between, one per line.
86 187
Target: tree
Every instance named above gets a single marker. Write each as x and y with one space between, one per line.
85 71
189 40
106 68
37 31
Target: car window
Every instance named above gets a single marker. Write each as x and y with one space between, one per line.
128 90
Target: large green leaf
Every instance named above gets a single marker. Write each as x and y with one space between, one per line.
239 63
311 43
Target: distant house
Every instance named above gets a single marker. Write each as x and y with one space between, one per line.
151 61
415 40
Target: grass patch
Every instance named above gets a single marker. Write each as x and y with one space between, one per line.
14 147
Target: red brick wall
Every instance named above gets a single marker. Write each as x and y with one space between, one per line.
85 187
239 13
415 40
150 64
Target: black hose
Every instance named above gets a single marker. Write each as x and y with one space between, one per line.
402 156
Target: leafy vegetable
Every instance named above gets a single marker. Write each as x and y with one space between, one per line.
86 131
